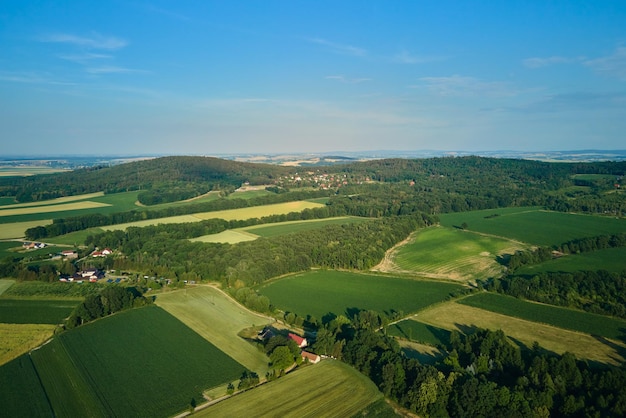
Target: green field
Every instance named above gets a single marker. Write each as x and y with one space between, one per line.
571 319
453 254
320 292
535 226
74 238
18 339
18 311
610 259
22 395
17 229
55 290
5 284
420 332
230 236
218 318
139 363
327 389
284 228
8 248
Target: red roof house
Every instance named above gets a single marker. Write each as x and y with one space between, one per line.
310 357
299 340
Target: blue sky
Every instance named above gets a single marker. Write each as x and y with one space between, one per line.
212 77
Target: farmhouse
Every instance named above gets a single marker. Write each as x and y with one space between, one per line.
302 342
102 253
69 254
310 357
33 245
92 275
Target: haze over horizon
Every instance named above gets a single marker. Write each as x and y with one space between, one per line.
158 77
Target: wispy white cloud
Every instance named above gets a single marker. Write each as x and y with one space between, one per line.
113 70
457 85
95 41
31 78
347 80
342 49
537 62
85 58
167 13
612 65
405 57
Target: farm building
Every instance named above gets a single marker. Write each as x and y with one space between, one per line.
310 357
69 254
91 275
33 245
102 253
302 342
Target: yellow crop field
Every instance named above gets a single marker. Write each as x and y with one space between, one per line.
56 201
51 208
229 215
218 318
229 236
16 229
454 316
328 389
18 339
260 211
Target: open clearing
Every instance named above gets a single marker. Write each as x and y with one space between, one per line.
18 339
419 332
5 284
610 259
454 316
51 208
291 227
230 236
450 253
320 292
35 311
218 318
327 389
535 226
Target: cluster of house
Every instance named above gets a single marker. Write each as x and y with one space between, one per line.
91 275
313 358
102 253
33 245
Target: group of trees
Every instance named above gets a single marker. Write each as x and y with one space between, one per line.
109 300
482 374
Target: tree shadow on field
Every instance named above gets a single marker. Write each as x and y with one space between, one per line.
619 349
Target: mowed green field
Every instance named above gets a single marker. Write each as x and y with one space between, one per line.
535 226
218 318
26 311
320 292
5 284
565 318
17 229
453 253
139 363
420 332
22 395
326 389
610 259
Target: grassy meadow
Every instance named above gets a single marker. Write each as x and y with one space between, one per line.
18 229
291 227
533 225
166 365
565 318
328 389
610 259
5 284
38 311
218 319
18 339
320 292
22 395
463 318
453 254
230 236
419 332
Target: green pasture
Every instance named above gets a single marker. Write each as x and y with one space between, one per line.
557 316
535 226
610 259
68 386
218 318
284 228
74 238
5 284
20 311
9 248
465 318
139 363
453 253
420 332
320 292
28 171
327 389
249 194
22 395
4 201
